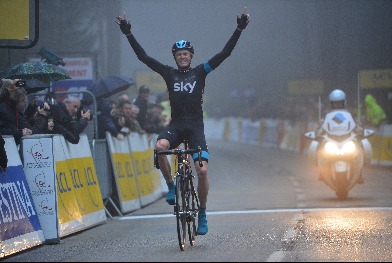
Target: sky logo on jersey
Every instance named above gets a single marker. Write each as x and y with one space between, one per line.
187 87
339 118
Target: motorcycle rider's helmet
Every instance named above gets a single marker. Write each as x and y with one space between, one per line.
337 99
183 44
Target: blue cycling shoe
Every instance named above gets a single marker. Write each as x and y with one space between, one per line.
202 227
171 195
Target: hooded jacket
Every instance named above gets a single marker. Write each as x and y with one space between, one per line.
374 113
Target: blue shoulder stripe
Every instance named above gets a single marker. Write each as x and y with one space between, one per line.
207 67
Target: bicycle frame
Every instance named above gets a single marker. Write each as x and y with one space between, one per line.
187 203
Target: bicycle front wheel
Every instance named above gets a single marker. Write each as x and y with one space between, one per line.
181 212
193 209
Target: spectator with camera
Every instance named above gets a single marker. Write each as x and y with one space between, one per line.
12 120
65 118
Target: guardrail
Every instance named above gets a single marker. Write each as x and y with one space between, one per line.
288 135
54 188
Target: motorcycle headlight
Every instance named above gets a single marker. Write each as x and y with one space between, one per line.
348 147
331 147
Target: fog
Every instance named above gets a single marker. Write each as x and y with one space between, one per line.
285 40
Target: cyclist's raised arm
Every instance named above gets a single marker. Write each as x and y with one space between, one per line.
242 22
139 51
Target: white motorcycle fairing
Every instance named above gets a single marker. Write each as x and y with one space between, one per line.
338 122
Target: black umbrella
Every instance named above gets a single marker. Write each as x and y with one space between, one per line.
34 85
109 86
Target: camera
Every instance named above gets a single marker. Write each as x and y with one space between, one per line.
42 107
79 113
20 83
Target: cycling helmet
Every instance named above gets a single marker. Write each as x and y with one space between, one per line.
183 44
338 95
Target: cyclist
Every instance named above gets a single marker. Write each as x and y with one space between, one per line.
186 86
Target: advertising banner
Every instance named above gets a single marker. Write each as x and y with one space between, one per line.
37 153
138 147
127 188
79 197
19 224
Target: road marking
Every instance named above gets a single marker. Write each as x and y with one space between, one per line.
277 256
290 235
292 210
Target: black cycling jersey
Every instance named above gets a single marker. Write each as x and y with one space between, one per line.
185 88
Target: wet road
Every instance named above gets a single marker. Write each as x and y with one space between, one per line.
264 205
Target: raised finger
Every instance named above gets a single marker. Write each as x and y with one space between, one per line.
125 17
244 11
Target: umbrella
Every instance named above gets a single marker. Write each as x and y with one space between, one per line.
43 72
109 86
34 85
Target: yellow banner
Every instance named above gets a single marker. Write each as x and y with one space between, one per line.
125 177
305 86
78 189
14 19
370 79
152 80
143 176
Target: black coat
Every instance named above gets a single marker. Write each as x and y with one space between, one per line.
105 121
65 125
12 122
142 115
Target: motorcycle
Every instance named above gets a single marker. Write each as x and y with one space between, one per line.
340 153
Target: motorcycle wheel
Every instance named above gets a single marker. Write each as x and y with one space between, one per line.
341 184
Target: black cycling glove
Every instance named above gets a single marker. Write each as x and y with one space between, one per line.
241 22
125 27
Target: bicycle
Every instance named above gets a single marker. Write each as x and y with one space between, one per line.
186 201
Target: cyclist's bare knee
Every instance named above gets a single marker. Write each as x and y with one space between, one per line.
162 145
201 171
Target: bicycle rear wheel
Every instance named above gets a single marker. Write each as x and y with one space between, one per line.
181 211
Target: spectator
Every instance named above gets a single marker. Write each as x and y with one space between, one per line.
4 95
65 115
164 101
155 119
142 103
107 120
12 120
130 113
114 108
374 113
123 97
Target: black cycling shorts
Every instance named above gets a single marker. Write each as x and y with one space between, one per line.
187 129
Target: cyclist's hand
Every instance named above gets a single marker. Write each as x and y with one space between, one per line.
124 26
243 21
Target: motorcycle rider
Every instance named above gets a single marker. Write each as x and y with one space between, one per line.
337 99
